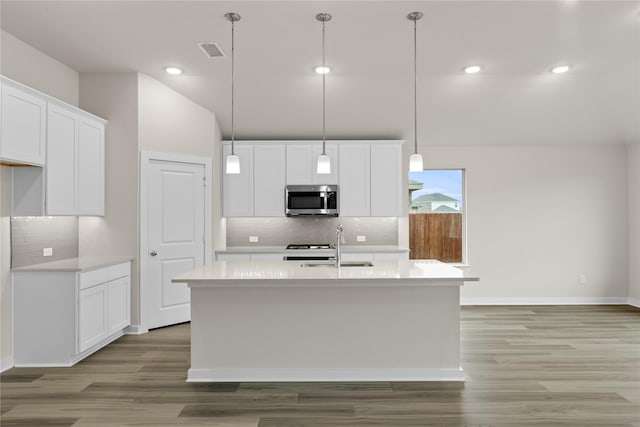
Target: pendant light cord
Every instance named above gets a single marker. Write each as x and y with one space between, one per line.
415 88
233 24
324 69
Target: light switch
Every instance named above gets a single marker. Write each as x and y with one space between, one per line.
361 238
253 239
47 251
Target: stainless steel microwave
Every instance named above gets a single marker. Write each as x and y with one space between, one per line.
312 200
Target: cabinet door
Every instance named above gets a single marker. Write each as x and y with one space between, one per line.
237 189
267 257
22 129
90 147
332 150
118 306
299 158
233 257
92 319
357 256
391 256
269 179
355 179
386 180
62 128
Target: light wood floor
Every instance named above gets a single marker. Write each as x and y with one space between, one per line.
569 365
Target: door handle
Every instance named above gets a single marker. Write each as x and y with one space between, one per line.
153 253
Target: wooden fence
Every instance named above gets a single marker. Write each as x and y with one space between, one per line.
436 236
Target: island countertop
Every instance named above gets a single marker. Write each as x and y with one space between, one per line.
292 273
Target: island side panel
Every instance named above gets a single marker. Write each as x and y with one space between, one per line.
338 333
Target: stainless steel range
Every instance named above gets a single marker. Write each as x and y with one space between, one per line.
310 247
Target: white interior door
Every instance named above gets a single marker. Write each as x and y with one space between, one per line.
176 237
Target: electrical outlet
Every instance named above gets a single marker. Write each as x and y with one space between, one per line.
253 239
582 279
47 251
361 238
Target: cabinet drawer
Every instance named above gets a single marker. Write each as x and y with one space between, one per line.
102 275
118 271
93 277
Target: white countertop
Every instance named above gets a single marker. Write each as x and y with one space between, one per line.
291 273
75 264
283 249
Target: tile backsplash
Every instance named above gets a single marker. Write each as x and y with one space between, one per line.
282 231
30 235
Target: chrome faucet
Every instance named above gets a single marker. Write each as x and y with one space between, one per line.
339 239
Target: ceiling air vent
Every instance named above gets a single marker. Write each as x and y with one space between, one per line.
211 49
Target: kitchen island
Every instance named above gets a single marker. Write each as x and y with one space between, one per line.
282 321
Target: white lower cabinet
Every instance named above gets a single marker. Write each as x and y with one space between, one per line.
250 257
233 257
118 306
374 256
62 317
346 256
92 322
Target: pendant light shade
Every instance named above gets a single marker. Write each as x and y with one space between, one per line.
415 161
324 162
233 161
233 164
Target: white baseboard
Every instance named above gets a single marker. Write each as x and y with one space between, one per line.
634 302
320 375
544 301
135 330
6 363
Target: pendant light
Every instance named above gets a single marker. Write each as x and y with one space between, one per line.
324 162
415 161
233 160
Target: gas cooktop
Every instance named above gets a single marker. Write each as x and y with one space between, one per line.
309 246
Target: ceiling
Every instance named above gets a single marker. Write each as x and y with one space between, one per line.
369 45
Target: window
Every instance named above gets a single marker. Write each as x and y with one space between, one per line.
436 214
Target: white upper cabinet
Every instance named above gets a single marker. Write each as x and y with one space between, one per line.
65 146
237 189
269 177
369 175
90 150
299 158
62 130
386 179
355 179
302 159
22 129
75 163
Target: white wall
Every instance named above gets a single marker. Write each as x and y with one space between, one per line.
29 66
114 96
633 155
171 123
143 114
539 216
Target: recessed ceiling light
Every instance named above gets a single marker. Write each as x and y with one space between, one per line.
560 69
174 71
322 70
472 69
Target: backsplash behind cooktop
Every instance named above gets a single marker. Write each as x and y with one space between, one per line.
282 231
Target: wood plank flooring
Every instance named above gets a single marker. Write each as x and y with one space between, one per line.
542 365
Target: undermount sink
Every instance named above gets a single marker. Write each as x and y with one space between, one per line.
342 264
